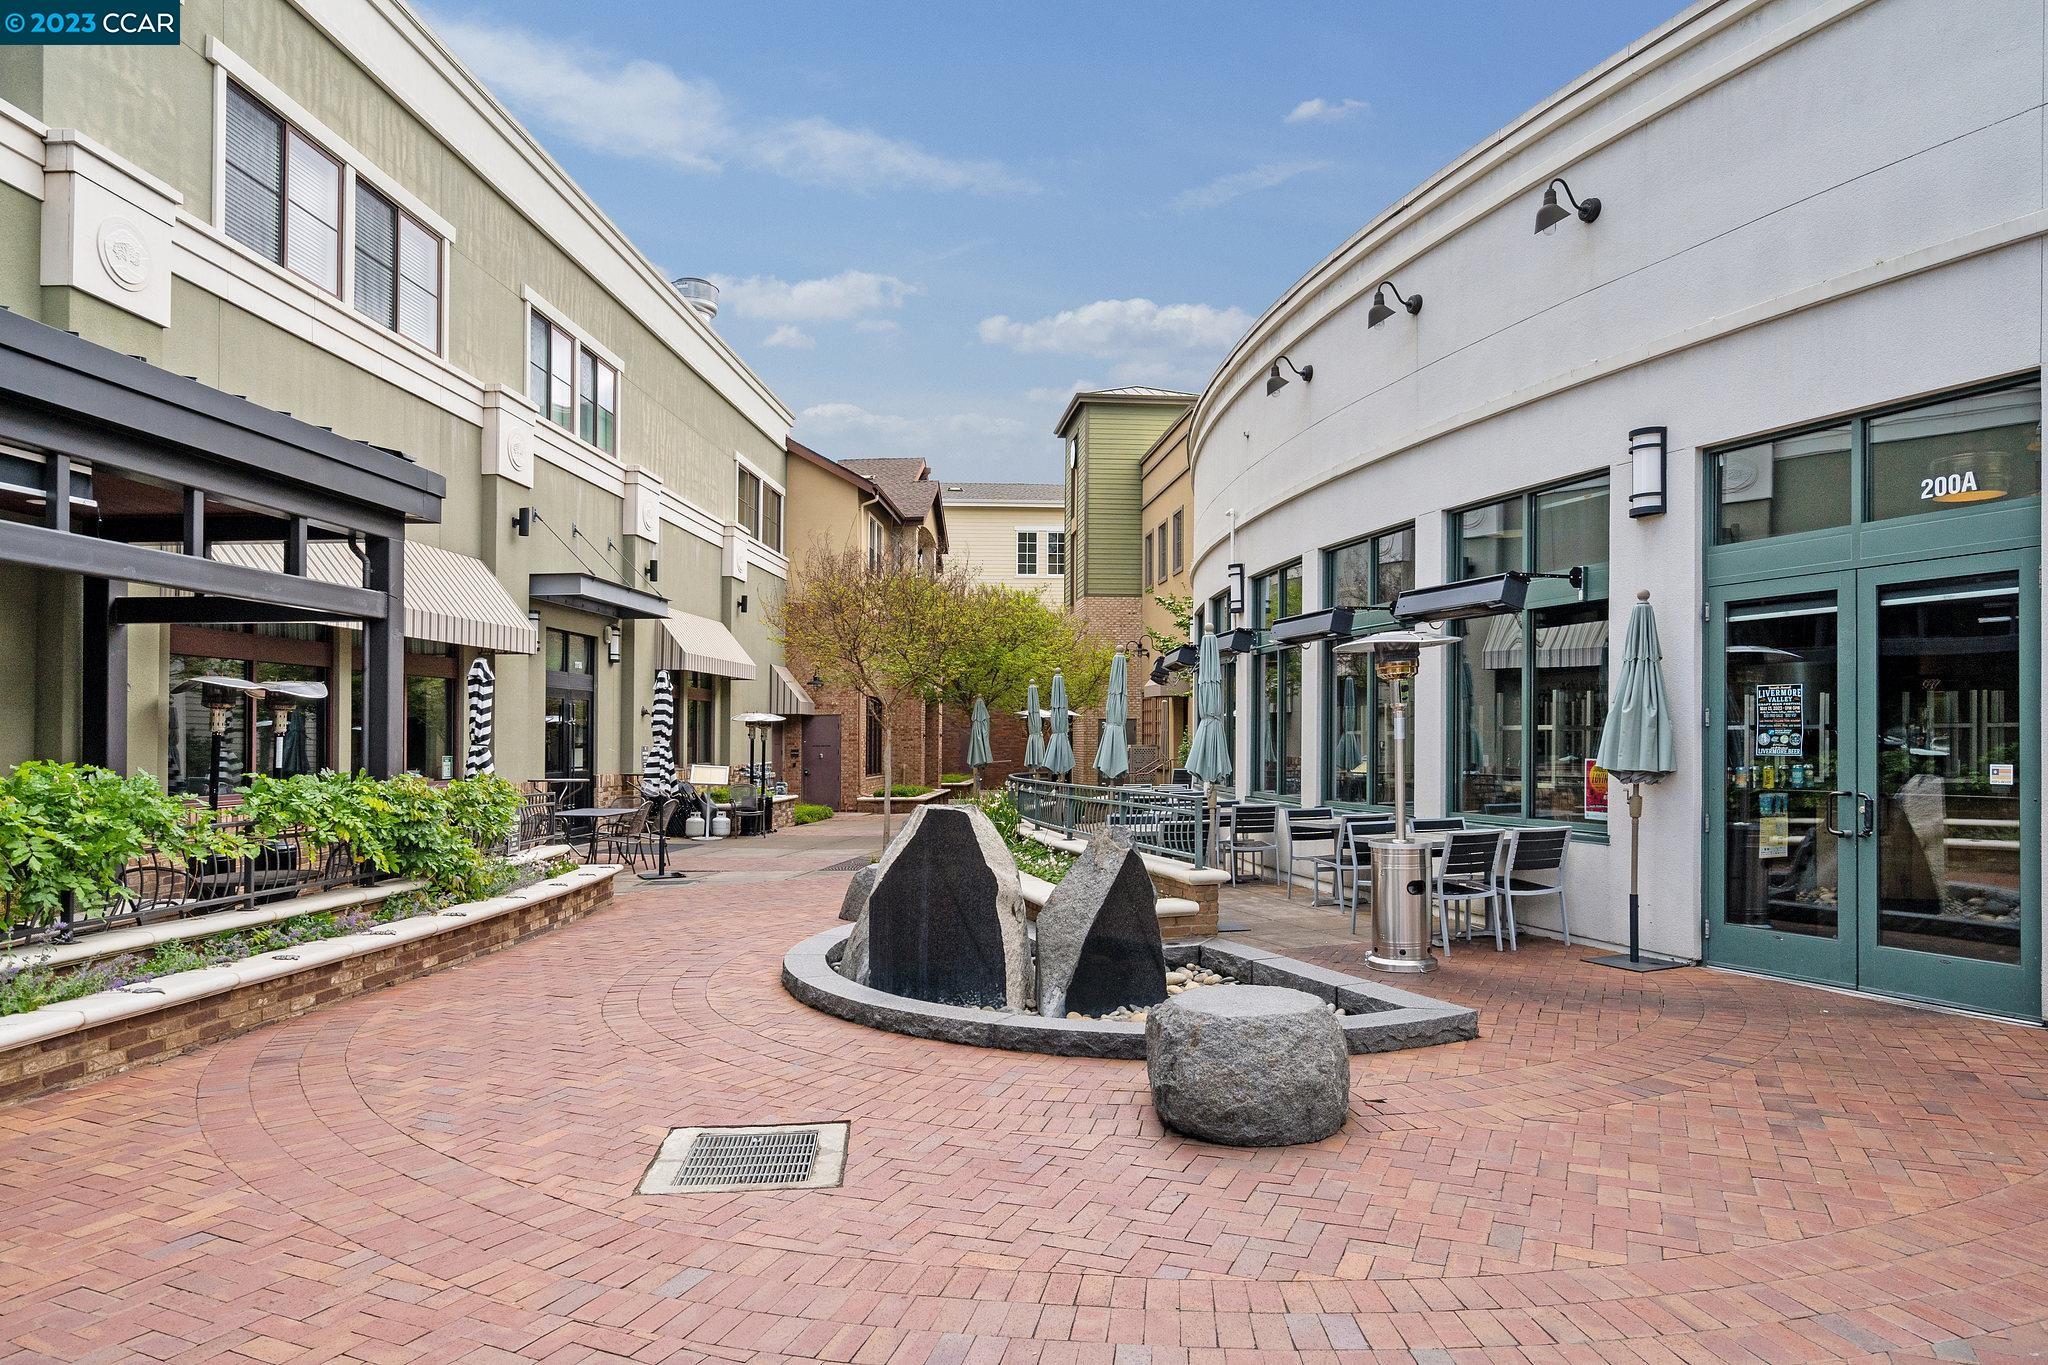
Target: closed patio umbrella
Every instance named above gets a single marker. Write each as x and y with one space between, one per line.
1209 745
1636 748
1059 749
1112 754
1034 737
979 754
661 754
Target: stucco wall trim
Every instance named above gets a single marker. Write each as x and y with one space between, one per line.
1237 372
2014 231
21 149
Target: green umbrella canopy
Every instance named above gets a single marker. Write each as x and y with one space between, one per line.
1059 750
1034 737
978 752
1636 744
1209 745
1112 755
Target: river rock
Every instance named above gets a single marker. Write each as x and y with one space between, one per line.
1099 948
945 919
1248 1066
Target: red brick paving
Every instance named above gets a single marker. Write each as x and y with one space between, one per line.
1680 1167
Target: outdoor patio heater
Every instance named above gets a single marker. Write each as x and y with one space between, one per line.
1400 865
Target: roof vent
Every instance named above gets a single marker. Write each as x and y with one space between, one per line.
701 294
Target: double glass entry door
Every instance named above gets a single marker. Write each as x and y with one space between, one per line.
1874 815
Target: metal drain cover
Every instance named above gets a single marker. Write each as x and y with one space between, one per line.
791 1156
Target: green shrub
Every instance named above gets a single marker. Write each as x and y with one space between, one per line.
1032 856
404 826
956 777
904 789
807 813
67 830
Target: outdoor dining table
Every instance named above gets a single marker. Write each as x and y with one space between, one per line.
595 815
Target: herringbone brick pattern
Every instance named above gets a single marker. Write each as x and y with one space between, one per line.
1687 1166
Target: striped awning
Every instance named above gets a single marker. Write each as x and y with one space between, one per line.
698 644
786 695
450 598
1581 644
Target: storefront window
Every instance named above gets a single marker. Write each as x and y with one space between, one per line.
700 717
1780 488
432 698
1365 574
1276 683
1531 689
1984 448
251 742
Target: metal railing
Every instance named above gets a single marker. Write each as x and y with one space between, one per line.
1165 822
283 866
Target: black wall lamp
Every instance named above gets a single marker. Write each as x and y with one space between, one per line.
1277 381
522 521
1379 312
1552 213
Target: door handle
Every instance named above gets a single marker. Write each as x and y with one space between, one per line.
1835 804
1866 816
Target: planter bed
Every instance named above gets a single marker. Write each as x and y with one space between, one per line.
937 796
63 1044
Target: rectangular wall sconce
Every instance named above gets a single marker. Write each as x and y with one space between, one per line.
522 521
1236 572
1646 482
612 637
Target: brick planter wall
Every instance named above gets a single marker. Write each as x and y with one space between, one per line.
94 1050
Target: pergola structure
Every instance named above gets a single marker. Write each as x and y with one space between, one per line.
124 474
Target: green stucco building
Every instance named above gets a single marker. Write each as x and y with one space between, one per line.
312 204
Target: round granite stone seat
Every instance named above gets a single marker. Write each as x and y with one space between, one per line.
1248 1066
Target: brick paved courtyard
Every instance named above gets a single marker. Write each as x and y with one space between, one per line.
1685 1166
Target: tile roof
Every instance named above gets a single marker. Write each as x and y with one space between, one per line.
1027 494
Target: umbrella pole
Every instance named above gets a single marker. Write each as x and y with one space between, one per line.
1635 843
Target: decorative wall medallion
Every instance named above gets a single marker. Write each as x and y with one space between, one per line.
650 516
124 254
516 455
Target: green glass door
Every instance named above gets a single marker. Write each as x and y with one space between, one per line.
1780 892
1873 812
1949 820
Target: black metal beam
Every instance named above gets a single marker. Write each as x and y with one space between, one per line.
87 442
103 674
57 492
384 666
150 405
295 548
40 547
192 535
201 611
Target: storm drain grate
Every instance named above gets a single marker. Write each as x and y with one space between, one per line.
774 1157
850 865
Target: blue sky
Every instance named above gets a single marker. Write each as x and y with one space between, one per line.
932 223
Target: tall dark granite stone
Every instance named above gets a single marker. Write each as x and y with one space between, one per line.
945 921
857 892
1098 936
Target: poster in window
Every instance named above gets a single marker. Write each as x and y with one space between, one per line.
1780 720
1774 818
1596 791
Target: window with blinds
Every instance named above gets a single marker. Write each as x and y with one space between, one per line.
281 194
398 269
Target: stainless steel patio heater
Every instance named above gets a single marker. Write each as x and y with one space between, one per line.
1400 865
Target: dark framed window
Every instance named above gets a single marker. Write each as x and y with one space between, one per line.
433 698
257 654
571 710
1276 687
1179 541
281 193
700 717
1966 453
1530 689
1146 563
871 740
397 268
1366 575
758 508
1056 552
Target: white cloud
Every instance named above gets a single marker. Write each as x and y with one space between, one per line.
1237 184
791 337
1326 111
629 106
834 298
879 326
1133 330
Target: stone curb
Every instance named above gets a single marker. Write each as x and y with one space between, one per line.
181 988
1382 1018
